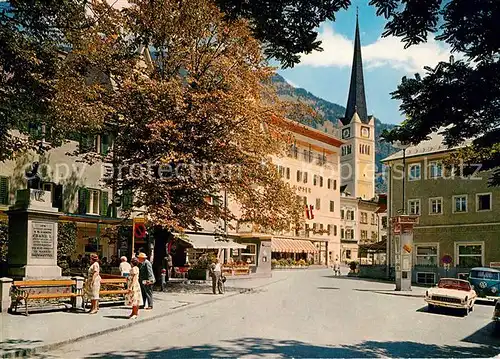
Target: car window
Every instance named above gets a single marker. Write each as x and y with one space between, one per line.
484 275
454 284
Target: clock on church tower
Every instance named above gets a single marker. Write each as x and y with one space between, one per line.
346 133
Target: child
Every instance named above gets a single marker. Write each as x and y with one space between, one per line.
163 280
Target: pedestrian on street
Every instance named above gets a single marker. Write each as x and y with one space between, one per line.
93 283
134 296
164 280
124 267
168 265
336 267
146 279
216 273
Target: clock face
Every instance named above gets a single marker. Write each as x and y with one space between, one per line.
365 132
346 133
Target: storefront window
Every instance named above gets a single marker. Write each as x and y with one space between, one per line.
249 254
426 255
470 255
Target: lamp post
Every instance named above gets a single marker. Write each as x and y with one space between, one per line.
403 146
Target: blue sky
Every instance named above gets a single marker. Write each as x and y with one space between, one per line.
326 74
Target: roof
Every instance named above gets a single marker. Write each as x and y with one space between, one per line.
356 102
486 269
435 144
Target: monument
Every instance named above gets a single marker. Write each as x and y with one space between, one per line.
33 233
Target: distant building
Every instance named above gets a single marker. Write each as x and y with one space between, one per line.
459 216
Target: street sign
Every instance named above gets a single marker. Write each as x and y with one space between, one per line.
447 259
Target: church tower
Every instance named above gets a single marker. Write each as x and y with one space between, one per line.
358 132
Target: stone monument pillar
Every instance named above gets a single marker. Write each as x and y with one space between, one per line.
33 235
402 227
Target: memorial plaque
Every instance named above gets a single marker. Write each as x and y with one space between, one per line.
42 244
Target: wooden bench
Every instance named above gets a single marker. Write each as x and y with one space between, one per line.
40 289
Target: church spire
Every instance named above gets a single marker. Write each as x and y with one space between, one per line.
357 100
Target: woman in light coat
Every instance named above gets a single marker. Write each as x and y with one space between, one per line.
93 283
134 296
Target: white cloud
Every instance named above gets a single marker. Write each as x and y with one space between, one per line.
290 82
388 51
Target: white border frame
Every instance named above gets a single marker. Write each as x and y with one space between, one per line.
419 205
465 243
430 206
410 165
453 208
477 202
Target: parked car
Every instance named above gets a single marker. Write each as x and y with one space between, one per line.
486 282
496 315
451 293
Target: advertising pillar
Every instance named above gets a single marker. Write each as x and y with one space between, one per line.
403 245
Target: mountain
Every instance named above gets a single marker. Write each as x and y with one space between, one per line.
332 112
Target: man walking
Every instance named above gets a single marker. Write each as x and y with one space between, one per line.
168 265
216 272
146 280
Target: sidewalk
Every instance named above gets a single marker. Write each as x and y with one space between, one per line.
20 335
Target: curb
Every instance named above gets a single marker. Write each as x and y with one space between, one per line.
47 347
401 295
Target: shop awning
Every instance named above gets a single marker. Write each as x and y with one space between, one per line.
209 241
286 245
377 247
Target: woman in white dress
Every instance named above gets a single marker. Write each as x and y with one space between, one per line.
134 296
93 283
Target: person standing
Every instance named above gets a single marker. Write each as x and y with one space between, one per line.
93 283
124 267
168 265
216 272
336 267
146 279
134 296
164 277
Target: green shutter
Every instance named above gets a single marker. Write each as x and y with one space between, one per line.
105 144
127 199
104 203
4 190
83 200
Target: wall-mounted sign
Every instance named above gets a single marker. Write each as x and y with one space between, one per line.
447 259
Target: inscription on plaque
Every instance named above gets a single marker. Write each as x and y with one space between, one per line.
42 245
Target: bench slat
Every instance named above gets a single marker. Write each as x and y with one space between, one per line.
44 283
114 280
52 295
109 292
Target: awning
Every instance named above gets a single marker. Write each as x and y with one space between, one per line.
209 241
285 245
377 247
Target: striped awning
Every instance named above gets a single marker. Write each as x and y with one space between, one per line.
286 245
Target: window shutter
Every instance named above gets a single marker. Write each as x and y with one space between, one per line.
105 144
57 201
4 190
104 203
128 199
83 200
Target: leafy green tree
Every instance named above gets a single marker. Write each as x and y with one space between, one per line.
66 244
460 97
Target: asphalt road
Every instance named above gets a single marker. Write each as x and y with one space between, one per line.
308 314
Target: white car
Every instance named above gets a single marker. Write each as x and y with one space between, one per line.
451 293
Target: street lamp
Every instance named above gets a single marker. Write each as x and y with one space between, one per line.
403 146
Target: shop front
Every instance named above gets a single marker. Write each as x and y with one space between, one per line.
295 249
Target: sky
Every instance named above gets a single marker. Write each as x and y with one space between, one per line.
326 74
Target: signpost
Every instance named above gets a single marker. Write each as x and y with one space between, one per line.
403 244
138 230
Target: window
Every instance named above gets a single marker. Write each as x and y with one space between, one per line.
320 181
315 180
373 219
288 173
334 185
305 177
128 199
484 275
321 228
293 151
469 255
342 214
329 183
318 203
305 155
335 230
426 278
350 215
4 190
348 254
249 254
299 176
364 217
329 229
426 255
332 206
349 233
92 201
105 143
436 169
483 202
413 207
364 234
384 222
374 236
342 233
414 172
281 171
436 205
460 204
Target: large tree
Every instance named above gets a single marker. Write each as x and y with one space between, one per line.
184 92
460 97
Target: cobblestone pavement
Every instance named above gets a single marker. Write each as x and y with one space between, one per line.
307 314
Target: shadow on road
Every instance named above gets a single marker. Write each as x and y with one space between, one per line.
335 288
293 348
487 335
443 311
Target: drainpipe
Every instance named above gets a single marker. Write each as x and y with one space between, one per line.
389 224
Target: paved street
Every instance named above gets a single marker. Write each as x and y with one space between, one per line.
307 314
